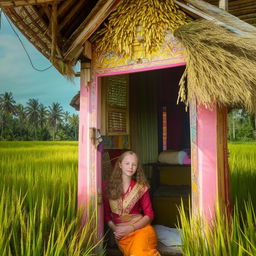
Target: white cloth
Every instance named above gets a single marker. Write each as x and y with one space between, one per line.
168 236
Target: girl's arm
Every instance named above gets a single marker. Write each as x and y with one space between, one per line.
146 206
124 230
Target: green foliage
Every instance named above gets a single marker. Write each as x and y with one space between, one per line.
35 121
241 125
38 201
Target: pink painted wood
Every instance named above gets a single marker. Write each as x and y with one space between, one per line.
84 148
207 160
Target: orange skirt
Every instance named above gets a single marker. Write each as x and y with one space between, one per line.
141 242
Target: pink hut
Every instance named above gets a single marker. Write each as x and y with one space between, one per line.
129 89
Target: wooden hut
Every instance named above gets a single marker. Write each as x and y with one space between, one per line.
128 93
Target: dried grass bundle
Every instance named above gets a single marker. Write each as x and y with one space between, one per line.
146 22
221 66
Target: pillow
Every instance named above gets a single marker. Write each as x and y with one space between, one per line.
168 236
171 157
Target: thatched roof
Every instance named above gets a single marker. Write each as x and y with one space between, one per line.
58 28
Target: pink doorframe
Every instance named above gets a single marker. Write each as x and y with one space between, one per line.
203 148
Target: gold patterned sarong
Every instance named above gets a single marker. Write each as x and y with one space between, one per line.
141 242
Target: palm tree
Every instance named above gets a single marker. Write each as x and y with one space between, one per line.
66 116
42 115
21 121
20 112
74 123
7 108
55 117
32 111
7 103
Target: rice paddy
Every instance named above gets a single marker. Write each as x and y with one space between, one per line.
38 212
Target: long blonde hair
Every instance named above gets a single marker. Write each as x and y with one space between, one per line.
114 188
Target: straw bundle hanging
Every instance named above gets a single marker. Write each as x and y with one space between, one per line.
221 66
146 22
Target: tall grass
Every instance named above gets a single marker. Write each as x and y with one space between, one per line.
225 236
38 201
242 162
235 236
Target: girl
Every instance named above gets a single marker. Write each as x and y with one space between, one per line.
127 208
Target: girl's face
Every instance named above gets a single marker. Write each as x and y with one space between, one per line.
129 165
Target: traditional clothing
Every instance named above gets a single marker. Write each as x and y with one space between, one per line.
128 210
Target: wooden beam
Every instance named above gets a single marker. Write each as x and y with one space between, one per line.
223 4
54 30
88 27
65 5
71 14
218 16
16 3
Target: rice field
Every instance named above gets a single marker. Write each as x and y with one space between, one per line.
38 213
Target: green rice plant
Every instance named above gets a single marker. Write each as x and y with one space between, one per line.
38 202
222 236
234 235
242 163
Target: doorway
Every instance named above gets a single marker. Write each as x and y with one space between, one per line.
147 119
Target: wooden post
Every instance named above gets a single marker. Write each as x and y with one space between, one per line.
224 197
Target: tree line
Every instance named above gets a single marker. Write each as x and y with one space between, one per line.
35 121
242 125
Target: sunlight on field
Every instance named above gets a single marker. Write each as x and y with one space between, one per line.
38 205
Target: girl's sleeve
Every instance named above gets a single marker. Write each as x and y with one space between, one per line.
106 206
145 203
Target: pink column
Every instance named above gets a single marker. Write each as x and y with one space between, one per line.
89 172
207 160
84 146
210 176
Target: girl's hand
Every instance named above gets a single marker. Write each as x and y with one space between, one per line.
122 231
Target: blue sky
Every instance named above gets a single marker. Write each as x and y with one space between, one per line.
18 76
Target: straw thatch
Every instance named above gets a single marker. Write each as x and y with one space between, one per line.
221 66
143 22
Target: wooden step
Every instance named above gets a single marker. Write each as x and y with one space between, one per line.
163 250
